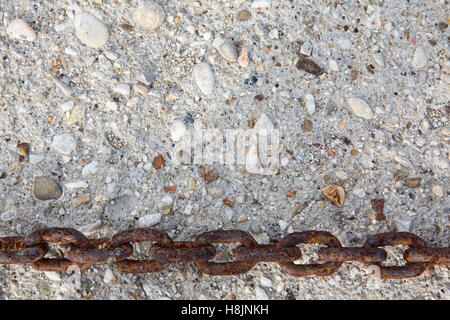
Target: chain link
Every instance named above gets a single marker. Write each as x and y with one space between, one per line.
80 251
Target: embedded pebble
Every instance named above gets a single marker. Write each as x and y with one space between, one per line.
8 215
310 104
178 130
204 78
83 199
243 58
149 15
19 29
306 125
263 125
360 108
252 163
111 106
45 188
226 48
67 106
108 276
420 58
274 33
335 194
360 193
333 66
243 15
122 88
306 48
340 174
149 220
64 143
261 3
91 228
140 89
71 52
403 161
90 30
53 276
413 183
379 59
36 158
90 169
76 185
437 190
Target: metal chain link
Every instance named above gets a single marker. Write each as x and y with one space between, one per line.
80 251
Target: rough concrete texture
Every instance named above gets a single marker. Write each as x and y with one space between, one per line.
96 117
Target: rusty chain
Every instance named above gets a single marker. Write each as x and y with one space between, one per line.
80 251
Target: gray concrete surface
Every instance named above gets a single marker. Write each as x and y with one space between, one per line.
96 111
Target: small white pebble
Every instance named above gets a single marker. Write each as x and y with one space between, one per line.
67 106
306 48
178 130
284 162
438 191
19 29
109 276
8 215
333 66
360 193
360 108
90 30
273 34
310 104
122 88
261 3
111 106
70 51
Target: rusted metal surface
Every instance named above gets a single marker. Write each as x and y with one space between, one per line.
432 255
13 252
139 266
140 235
98 251
58 264
365 255
183 251
267 253
324 269
225 236
82 252
409 270
56 235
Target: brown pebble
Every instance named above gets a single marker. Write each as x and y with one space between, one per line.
170 189
335 194
159 162
259 97
307 125
46 188
208 174
378 208
83 199
228 202
308 65
413 182
24 148
400 175
289 194
243 15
